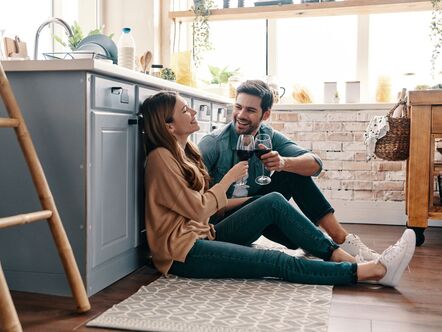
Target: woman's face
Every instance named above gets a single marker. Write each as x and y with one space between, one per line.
184 119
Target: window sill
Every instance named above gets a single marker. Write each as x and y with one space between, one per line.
330 107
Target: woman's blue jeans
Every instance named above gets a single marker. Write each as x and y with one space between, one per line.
230 254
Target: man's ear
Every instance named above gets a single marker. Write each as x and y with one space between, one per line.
266 114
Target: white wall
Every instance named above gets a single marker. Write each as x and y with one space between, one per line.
140 15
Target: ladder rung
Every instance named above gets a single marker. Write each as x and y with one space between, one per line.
9 123
26 218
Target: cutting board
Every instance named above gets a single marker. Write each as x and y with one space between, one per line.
15 48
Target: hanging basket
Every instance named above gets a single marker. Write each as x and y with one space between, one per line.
395 144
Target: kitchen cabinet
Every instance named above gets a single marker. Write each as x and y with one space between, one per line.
84 128
82 116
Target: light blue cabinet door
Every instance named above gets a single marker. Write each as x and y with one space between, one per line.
113 201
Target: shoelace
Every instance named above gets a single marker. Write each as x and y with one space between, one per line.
357 241
389 249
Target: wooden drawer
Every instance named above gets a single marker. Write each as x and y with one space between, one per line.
436 127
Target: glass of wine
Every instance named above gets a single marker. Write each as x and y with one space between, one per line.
244 150
263 145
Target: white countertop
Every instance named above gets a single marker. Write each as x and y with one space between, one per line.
108 69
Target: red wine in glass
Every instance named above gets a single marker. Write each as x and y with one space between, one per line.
261 152
244 150
244 155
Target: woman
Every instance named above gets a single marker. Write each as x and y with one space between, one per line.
179 204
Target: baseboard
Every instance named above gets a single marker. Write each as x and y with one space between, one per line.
377 213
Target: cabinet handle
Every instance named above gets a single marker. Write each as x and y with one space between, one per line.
132 122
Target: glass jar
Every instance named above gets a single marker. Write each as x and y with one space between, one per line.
155 70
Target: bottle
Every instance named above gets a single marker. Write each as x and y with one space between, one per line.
126 50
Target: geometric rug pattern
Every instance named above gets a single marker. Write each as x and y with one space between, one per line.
221 305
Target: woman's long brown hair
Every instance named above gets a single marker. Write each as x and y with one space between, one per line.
157 111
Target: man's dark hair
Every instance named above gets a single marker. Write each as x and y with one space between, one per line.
259 89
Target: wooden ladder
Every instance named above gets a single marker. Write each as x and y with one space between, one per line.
8 315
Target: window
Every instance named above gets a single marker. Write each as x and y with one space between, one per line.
23 17
236 47
312 50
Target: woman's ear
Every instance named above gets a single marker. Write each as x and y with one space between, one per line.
170 127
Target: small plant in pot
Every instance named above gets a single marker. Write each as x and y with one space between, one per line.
201 29
221 75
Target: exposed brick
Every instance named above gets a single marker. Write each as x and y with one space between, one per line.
341 137
311 136
369 176
389 166
389 185
312 116
342 194
396 176
288 116
363 195
356 165
356 185
332 165
360 156
305 144
394 195
358 137
327 146
327 126
341 175
278 126
353 146
327 193
355 126
347 155
328 184
367 115
342 116
291 127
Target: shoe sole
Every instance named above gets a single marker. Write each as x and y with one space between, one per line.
411 240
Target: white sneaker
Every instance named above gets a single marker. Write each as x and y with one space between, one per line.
355 247
396 258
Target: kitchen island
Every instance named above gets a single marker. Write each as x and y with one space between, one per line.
82 116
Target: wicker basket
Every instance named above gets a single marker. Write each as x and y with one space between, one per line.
395 144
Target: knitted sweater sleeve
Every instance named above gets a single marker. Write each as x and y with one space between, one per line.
166 182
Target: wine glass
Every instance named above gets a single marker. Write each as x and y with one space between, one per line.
263 145
244 150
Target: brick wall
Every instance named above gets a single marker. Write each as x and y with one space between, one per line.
337 137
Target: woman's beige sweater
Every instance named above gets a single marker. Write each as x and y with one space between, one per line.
176 215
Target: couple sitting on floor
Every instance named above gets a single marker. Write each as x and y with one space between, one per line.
195 230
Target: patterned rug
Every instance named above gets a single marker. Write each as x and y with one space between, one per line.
221 305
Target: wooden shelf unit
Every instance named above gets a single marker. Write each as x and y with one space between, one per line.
426 126
347 7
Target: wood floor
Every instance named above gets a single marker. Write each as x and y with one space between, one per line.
416 305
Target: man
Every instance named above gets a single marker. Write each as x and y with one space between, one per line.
293 167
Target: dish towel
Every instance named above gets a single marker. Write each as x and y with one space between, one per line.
376 129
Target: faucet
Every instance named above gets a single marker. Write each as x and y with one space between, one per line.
45 23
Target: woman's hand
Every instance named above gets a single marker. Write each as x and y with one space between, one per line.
237 172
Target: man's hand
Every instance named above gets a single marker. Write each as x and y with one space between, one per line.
273 161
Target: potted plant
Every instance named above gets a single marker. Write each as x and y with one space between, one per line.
77 36
219 80
221 75
201 29
436 33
